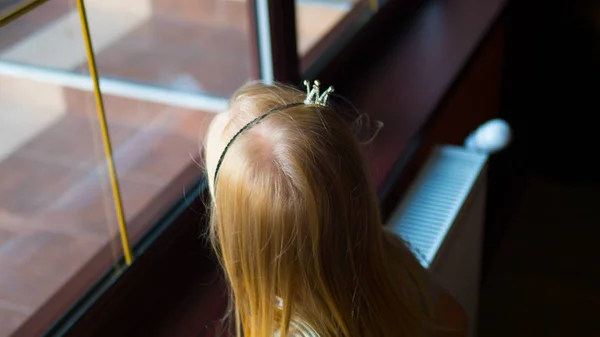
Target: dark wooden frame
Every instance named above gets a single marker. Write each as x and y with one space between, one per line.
468 21
283 41
282 17
253 40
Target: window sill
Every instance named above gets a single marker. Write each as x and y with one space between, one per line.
406 75
403 80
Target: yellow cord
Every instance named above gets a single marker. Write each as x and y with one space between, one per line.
19 11
105 135
374 4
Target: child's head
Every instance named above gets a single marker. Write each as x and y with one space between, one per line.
295 216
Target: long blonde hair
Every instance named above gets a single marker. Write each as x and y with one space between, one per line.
296 224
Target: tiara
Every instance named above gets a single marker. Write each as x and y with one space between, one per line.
313 96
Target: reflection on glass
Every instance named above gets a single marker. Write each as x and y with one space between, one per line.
192 46
155 148
56 209
319 23
314 19
186 45
56 205
170 46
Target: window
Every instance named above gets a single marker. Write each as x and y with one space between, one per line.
165 67
163 71
322 26
56 212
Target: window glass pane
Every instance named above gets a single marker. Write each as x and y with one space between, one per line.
156 151
160 80
191 46
165 67
322 25
56 207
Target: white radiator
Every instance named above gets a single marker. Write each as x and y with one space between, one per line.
442 218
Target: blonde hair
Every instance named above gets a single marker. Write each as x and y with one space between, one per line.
295 217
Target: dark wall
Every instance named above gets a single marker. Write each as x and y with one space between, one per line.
552 84
550 93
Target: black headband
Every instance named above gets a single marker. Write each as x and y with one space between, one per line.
247 126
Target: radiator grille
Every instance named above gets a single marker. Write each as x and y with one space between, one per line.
435 199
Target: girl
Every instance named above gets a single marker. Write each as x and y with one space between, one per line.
296 224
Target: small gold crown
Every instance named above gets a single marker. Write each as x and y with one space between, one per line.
313 96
